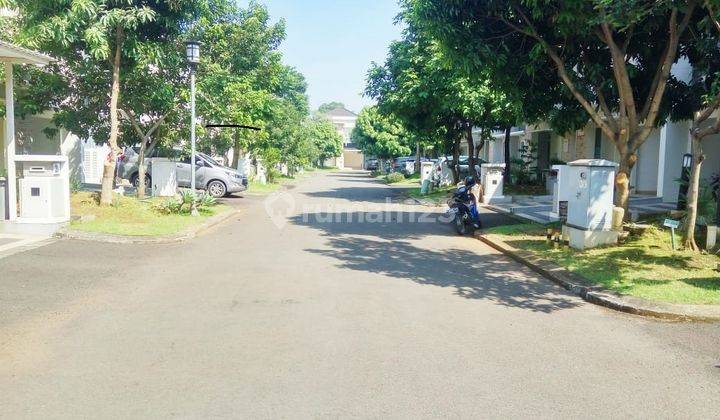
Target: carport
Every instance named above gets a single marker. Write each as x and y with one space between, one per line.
9 55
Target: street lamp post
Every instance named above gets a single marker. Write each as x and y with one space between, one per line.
192 52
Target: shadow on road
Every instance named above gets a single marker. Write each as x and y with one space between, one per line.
358 194
383 247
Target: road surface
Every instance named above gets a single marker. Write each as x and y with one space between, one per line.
328 302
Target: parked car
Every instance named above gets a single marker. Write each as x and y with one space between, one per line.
372 164
216 179
406 165
442 173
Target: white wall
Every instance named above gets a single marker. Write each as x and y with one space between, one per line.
646 168
673 144
711 165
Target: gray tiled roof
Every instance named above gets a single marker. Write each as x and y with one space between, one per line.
340 112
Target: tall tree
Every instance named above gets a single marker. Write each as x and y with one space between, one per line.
612 58
329 106
417 85
95 39
380 135
327 140
697 99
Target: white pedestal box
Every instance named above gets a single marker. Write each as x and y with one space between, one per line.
44 189
3 200
425 171
491 177
164 178
560 189
591 184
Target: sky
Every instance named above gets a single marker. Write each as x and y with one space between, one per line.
333 42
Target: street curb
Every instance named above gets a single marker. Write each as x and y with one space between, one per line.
510 214
598 295
187 234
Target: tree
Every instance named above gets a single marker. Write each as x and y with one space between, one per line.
327 140
697 99
612 58
379 135
329 106
418 86
95 39
243 81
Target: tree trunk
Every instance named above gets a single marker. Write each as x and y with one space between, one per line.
506 175
106 194
456 157
236 151
141 170
622 182
471 151
693 194
417 158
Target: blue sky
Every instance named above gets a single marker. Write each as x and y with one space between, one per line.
332 42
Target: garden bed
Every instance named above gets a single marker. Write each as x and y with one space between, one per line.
645 266
129 216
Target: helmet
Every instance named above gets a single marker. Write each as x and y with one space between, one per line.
469 181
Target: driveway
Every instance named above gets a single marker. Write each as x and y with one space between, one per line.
328 301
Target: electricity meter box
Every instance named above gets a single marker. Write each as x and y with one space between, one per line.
591 184
560 190
164 178
44 189
492 179
426 171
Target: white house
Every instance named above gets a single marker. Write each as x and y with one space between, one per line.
344 121
659 163
27 150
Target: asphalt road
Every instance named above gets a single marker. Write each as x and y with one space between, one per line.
328 302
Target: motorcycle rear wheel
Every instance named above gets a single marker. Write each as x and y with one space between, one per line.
460 226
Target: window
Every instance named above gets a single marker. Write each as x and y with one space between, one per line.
598 143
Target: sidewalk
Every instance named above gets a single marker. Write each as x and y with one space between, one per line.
537 208
18 237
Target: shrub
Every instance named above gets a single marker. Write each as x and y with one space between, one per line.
273 175
183 203
394 177
75 184
205 201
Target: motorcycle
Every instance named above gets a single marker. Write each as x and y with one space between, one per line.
463 208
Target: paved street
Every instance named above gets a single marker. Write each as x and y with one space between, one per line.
338 305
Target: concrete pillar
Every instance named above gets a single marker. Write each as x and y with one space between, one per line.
10 142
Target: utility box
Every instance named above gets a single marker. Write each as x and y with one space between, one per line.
491 177
44 189
164 177
560 189
591 184
425 171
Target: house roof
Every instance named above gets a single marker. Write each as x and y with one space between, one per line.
340 112
19 55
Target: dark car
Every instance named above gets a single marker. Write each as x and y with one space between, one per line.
371 164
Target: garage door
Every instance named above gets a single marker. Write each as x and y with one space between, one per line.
353 159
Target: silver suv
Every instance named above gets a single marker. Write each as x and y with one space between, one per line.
216 179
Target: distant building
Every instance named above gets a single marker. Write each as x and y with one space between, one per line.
344 122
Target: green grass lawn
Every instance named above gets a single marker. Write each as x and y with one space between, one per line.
258 188
132 217
413 179
645 266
